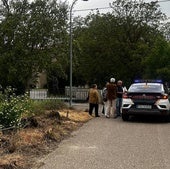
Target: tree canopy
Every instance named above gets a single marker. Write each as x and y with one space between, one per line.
33 36
131 41
122 43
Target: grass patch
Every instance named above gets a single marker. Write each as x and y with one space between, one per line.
38 107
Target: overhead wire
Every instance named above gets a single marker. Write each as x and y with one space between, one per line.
88 9
109 7
164 1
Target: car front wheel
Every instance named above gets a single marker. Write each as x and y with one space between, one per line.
125 117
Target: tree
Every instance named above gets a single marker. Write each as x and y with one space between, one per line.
116 43
157 64
33 35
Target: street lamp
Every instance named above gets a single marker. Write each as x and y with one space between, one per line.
71 50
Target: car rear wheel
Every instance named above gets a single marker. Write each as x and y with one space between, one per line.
125 117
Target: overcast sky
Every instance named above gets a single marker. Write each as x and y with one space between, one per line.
93 4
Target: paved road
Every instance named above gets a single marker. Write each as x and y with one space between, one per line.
113 144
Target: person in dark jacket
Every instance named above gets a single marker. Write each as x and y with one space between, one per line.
111 98
119 98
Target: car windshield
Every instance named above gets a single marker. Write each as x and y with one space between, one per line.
146 88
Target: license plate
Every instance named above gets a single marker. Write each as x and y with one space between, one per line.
144 106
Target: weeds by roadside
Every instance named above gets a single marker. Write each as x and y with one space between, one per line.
30 129
48 123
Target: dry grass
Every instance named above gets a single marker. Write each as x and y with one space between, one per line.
21 149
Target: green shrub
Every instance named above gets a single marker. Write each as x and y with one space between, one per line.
12 107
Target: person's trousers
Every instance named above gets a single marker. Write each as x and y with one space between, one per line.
118 106
104 109
110 107
95 107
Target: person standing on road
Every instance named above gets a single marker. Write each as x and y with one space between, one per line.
119 98
111 98
104 98
94 99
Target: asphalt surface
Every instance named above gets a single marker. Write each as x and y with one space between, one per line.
111 143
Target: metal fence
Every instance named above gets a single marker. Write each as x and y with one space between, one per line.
78 94
38 93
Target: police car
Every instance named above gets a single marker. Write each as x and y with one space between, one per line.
145 97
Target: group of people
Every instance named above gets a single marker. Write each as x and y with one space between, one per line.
111 98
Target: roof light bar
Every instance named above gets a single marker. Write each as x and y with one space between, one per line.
148 81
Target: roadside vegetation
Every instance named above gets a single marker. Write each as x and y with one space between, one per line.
31 129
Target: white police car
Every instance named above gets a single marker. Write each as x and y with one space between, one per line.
145 97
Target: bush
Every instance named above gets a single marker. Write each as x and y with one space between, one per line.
12 107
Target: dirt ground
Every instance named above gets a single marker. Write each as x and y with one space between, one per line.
20 149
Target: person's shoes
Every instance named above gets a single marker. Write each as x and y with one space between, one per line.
97 116
107 117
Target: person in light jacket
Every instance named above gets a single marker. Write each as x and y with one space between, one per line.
94 99
104 98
